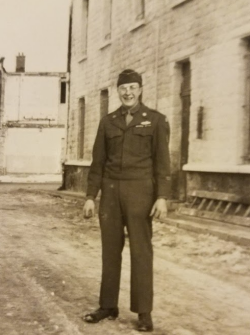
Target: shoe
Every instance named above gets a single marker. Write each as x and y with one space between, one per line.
100 314
145 323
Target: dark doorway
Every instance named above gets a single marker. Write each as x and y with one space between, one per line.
185 95
104 102
63 92
81 128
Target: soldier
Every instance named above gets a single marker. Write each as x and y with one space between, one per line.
131 167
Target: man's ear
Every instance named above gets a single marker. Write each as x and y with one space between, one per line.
140 96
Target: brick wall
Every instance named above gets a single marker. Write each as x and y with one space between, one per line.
208 33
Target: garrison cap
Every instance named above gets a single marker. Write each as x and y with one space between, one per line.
129 76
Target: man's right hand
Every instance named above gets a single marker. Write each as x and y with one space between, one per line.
89 208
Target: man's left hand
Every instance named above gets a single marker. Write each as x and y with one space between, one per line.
159 209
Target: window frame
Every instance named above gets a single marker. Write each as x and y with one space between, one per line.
139 16
107 20
139 9
84 19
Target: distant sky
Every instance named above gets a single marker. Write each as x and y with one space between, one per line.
37 28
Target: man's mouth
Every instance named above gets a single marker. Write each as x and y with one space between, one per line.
128 98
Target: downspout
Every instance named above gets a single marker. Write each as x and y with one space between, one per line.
69 72
63 186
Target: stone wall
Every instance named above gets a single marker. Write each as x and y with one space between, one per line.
210 34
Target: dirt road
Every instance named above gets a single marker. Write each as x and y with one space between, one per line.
50 274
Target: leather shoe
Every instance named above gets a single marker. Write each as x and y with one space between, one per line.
100 314
145 323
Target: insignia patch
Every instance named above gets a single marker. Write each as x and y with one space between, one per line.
146 123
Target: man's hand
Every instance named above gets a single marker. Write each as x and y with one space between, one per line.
89 208
159 209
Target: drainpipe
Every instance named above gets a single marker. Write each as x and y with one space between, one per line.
69 59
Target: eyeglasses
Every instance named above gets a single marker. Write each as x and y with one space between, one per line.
124 88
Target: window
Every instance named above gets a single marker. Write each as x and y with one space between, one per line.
107 19
200 116
84 26
63 92
139 6
138 15
104 102
81 128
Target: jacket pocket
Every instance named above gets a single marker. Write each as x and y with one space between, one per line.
114 141
143 131
111 133
142 139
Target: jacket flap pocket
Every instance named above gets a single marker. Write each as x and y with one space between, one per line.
143 131
113 132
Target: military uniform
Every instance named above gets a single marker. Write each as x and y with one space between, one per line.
131 167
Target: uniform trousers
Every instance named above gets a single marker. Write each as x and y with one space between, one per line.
127 203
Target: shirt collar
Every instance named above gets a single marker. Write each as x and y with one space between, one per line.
132 110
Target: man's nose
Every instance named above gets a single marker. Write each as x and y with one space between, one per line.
128 89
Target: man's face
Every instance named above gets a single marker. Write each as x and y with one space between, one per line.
129 94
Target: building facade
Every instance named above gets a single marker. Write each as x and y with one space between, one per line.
32 120
194 57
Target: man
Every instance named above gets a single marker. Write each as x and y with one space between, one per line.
131 167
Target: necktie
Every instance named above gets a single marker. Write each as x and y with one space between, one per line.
129 118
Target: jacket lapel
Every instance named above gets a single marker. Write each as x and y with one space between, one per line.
117 119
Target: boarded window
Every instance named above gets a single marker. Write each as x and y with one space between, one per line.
200 116
81 128
104 102
63 92
139 6
107 19
84 26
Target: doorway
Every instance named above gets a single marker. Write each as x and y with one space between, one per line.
185 96
81 128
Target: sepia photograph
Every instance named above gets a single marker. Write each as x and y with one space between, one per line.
124 167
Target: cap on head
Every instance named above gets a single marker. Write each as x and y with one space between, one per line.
129 76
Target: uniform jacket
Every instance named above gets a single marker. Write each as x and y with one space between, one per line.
131 152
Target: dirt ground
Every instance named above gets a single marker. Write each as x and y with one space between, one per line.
50 267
